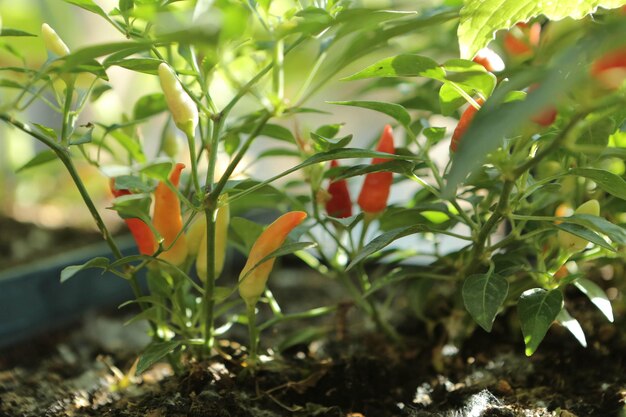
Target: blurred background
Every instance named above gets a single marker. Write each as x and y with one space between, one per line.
45 196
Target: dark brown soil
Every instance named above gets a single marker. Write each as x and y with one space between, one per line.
80 372
24 242
86 370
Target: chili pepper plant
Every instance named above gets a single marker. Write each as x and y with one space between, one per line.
528 184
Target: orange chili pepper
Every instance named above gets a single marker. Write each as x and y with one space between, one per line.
610 68
253 277
339 205
146 243
464 122
522 39
168 221
377 185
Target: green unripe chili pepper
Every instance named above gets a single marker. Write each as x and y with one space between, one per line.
572 243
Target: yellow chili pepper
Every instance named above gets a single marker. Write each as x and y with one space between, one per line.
574 243
253 277
53 42
183 109
221 238
168 221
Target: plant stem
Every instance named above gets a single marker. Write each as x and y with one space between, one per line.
253 332
278 75
208 303
67 110
238 157
194 163
485 231
64 156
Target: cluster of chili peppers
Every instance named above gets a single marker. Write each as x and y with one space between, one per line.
166 219
375 190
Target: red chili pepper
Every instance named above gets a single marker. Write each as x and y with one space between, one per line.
168 220
610 69
376 187
547 115
464 122
522 39
340 204
146 243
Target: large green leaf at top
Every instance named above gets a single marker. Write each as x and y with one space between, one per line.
499 118
480 19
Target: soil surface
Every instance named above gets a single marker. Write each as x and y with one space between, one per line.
87 371
23 242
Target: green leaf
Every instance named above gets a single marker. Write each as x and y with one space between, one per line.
269 130
357 19
606 180
130 144
537 309
278 152
469 75
329 131
277 132
311 21
39 159
142 65
597 131
133 183
572 325
323 144
480 19
450 99
399 167
88 5
11 84
248 231
601 225
396 111
126 5
48 131
596 295
303 335
154 353
231 143
404 65
97 92
158 169
483 295
498 119
382 241
84 138
149 105
14 32
585 233
70 271
434 134
90 53
133 206
285 249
